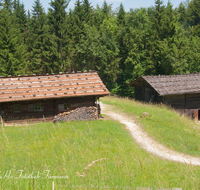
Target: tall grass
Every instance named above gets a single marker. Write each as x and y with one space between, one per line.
93 155
164 124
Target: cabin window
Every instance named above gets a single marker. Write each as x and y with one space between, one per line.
62 107
38 107
35 107
16 108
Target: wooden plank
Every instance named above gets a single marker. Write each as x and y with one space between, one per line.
50 107
196 115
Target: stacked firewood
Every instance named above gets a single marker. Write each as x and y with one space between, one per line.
79 114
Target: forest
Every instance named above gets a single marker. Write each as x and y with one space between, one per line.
119 45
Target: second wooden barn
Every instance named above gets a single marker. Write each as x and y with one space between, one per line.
182 92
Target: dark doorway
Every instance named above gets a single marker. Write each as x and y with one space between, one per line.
198 114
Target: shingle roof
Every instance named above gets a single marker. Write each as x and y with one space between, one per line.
172 84
51 86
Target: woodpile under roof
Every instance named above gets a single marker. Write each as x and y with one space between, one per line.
51 86
171 84
79 114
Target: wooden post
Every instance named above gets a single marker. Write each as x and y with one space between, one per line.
96 105
53 185
44 118
185 105
195 115
54 106
1 121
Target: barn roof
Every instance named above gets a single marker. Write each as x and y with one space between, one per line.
51 86
171 84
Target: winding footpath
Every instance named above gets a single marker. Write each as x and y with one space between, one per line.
146 142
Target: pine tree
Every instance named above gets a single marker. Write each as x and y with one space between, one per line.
8 5
182 14
20 17
194 12
122 88
57 17
137 41
12 50
106 10
121 15
39 41
87 12
108 66
99 51
163 29
78 32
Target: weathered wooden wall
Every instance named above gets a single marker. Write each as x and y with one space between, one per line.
144 92
176 101
50 108
187 104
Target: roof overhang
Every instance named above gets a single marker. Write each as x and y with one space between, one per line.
24 88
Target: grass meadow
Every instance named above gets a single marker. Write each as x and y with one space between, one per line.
164 124
84 155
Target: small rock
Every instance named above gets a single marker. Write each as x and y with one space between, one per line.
145 114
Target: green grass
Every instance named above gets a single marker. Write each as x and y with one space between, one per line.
164 124
67 148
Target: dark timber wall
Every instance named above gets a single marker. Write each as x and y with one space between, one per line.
188 104
146 93
49 108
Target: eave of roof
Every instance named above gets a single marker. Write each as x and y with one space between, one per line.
23 88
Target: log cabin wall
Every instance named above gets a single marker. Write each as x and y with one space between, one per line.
176 101
188 104
42 109
145 92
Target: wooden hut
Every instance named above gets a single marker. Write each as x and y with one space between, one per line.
182 92
33 98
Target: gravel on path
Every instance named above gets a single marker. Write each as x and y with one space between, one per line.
146 142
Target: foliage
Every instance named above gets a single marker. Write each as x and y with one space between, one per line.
119 45
12 49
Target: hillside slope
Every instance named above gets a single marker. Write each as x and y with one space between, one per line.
164 124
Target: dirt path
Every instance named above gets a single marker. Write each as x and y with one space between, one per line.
146 142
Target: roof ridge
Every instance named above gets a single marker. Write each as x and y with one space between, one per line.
171 84
184 74
47 74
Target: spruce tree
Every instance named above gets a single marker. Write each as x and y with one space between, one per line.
108 65
87 12
12 50
105 10
57 17
182 14
20 17
138 62
121 15
194 12
78 33
8 5
122 88
39 41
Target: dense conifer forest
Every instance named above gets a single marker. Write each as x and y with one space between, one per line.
119 45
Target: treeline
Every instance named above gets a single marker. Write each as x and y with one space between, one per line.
119 45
